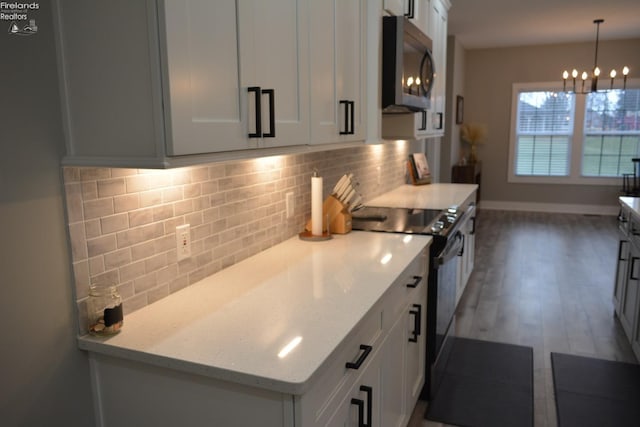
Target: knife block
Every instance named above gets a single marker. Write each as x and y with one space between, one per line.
337 215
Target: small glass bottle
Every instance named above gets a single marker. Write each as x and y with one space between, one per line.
104 309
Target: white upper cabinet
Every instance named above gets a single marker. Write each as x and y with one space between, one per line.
273 56
146 83
337 82
438 33
215 52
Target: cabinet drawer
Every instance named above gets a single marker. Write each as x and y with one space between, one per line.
334 379
405 288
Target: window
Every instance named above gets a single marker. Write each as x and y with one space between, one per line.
560 137
544 131
611 132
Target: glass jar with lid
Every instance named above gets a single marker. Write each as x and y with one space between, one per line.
104 310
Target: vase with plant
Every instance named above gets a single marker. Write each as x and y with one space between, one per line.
473 134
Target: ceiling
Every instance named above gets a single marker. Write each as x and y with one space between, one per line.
501 23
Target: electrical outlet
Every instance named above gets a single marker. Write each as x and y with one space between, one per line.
290 204
183 241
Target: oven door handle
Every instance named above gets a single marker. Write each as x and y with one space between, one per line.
450 251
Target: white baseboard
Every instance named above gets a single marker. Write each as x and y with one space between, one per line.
549 207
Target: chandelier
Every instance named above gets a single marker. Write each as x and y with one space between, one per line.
595 73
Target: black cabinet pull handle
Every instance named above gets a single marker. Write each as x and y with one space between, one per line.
353 108
272 113
416 282
356 365
622 242
462 247
439 122
411 12
632 268
369 391
473 225
257 91
349 117
346 116
360 404
417 320
424 120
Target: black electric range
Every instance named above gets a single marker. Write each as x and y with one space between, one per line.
444 254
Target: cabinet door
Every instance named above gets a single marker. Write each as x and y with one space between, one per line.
635 341
438 34
416 346
205 108
273 56
337 83
393 375
395 7
621 274
365 393
629 309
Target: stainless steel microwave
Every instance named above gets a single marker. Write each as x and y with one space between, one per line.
408 69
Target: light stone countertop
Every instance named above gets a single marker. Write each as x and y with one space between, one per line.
632 203
432 196
232 325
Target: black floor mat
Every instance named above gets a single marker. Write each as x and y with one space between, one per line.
594 392
484 383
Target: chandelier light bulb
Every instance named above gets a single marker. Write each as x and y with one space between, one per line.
409 81
594 74
417 80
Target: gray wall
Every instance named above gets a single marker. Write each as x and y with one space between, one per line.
451 146
44 377
489 74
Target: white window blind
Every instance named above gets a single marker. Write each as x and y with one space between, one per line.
544 130
611 133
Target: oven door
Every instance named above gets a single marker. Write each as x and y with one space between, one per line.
441 304
446 265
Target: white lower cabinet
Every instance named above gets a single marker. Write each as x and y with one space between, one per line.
626 287
468 254
373 377
361 403
388 348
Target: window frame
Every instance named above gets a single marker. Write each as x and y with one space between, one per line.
576 143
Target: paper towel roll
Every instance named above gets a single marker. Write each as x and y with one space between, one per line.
316 205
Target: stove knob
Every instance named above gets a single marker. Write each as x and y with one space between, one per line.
437 227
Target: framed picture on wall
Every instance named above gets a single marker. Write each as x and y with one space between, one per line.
459 109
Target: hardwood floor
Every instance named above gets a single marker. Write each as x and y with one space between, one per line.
546 281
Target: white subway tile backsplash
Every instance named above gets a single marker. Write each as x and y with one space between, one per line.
110 187
122 221
98 208
126 203
113 223
101 245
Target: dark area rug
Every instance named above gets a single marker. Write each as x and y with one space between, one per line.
484 383
594 392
